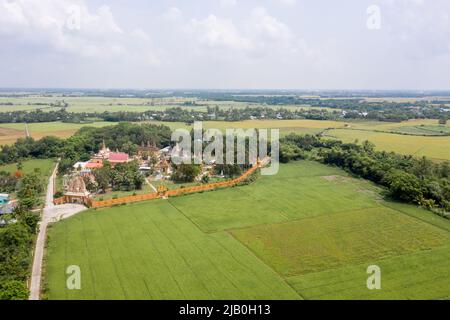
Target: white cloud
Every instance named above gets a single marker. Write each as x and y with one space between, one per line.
259 30
173 14
287 2
69 27
418 29
267 28
228 3
217 32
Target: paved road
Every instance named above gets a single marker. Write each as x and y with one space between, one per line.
51 213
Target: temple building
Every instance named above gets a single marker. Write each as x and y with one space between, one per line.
75 190
105 154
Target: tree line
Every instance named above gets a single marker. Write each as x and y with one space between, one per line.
18 232
408 179
330 109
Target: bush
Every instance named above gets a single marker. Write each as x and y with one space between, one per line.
404 186
13 290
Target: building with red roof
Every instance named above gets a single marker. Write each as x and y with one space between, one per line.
106 155
118 157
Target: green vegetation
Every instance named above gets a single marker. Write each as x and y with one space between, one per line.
311 226
119 194
186 173
437 148
122 177
16 241
28 177
408 179
416 276
297 191
45 166
151 251
310 245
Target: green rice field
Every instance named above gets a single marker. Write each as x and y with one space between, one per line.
309 232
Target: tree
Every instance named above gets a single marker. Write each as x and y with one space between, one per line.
186 172
31 220
403 186
14 290
103 176
443 120
30 187
289 152
205 179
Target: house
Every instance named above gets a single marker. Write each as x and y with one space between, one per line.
4 198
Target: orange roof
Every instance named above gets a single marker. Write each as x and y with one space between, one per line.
94 165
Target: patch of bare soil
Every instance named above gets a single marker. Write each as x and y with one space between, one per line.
337 178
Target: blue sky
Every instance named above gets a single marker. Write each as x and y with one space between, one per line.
226 44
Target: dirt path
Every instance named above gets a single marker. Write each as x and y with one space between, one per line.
51 213
27 132
151 185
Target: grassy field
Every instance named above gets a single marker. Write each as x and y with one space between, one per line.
44 165
119 194
296 192
309 232
151 251
10 132
309 245
437 148
419 275
102 104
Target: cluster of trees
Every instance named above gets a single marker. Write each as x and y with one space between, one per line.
125 137
419 181
28 187
8 182
185 172
16 241
122 177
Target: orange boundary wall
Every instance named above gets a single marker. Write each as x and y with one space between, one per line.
171 193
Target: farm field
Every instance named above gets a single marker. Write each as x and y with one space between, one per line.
309 232
420 275
298 191
419 124
437 148
151 251
102 104
10 132
310 245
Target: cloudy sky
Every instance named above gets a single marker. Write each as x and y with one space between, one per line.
226 44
